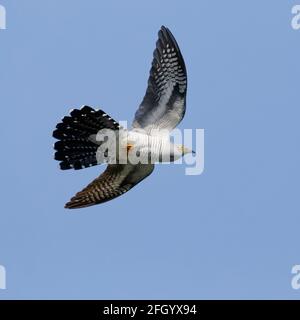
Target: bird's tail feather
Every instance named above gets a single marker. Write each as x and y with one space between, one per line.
75 148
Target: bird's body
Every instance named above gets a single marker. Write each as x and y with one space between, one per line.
154 147
89 137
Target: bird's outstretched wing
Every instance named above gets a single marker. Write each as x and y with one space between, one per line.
113 182
163 106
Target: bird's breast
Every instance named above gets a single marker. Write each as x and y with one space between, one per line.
154 147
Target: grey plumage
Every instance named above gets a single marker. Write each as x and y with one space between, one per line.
163 106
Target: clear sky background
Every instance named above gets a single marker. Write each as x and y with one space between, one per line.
232 232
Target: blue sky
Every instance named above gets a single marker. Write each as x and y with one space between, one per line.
232 232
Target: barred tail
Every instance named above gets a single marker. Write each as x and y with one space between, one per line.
75 148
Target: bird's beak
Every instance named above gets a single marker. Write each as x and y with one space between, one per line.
188 150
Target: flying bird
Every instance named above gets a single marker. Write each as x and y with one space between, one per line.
160 111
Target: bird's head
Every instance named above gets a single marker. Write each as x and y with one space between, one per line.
182 150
